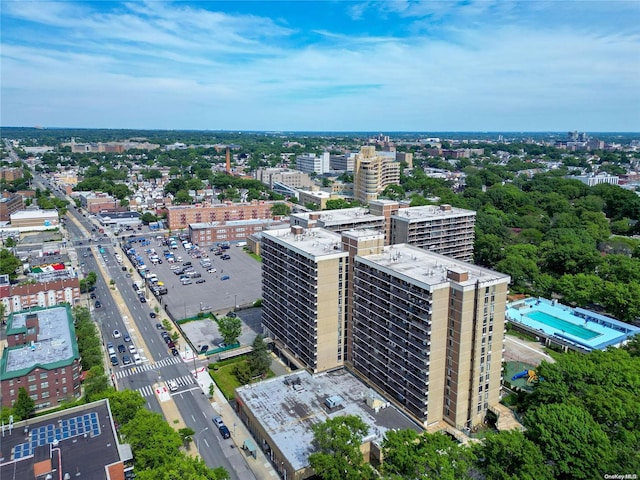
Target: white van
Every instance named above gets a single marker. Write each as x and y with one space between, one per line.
136 359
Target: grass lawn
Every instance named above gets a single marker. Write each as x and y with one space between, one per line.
226 380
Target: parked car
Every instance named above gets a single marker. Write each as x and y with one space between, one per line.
116 334
121 348
225 277
232 314
132 348
98 304
224 431
218 421
226 257
153 315
126 360
126 337
159 326
114 360
175 352
202 280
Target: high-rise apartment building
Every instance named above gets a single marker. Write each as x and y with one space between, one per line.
304 276
373 172
426 329
438 228
429 331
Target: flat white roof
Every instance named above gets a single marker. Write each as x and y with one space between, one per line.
314 242
288 406
427 212
427 267
35 214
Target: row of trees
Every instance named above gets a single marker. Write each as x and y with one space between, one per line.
582 422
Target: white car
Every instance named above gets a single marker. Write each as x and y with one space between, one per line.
172 385
136 359
132 349
212 270
116 334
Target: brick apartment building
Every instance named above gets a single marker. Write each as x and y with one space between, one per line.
10 203
42 356
180 217
43 294
9 174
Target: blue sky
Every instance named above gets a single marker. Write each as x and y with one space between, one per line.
329 66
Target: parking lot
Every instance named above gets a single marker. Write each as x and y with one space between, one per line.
241 287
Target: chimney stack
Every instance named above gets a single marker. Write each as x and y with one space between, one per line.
228 162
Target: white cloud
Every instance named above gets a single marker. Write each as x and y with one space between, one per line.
155 65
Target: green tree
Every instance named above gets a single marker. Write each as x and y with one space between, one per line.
186 434
242 372
510 456
148 217
337 204
571 440
9 263
337 442
410 455
259 359
24 406
153 441
124 404
183 467
281 209
230 329
183 197
95 383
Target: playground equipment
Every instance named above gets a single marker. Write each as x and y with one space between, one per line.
530 374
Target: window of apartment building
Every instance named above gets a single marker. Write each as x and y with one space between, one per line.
32 378
33 388
64 380
44 385
45 395
62 371
12 392
11 383
64 390
43 375
34 396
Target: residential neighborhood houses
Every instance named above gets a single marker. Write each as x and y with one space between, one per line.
396 272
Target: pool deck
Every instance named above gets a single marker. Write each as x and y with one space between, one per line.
610 332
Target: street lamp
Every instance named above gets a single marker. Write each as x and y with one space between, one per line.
235 302
203 430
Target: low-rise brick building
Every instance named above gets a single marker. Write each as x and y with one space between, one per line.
42 356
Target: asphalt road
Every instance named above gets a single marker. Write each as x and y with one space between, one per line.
159 364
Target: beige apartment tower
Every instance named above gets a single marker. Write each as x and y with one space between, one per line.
424 328
304 275
429 331
372 174
438 228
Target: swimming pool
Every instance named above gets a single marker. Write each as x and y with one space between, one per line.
562 325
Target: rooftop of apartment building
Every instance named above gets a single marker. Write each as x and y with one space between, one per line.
337 217
431 268
84 435
233 223
288 406
55 345
314 242
222 205
426 212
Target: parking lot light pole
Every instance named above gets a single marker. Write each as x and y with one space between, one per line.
235 302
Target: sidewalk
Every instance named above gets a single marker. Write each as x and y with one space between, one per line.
260 466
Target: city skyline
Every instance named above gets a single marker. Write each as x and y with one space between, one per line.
322 66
